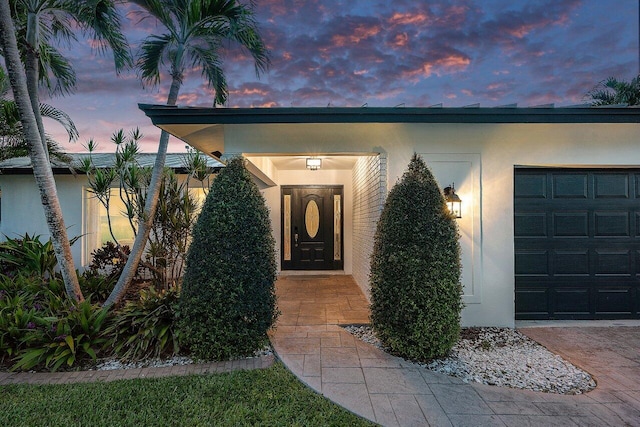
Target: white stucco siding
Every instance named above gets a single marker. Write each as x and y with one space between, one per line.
22 210
491 151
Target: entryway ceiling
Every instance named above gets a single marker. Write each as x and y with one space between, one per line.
329 162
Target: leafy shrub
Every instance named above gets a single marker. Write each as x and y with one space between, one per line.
26 303
27 255
146 328
95 287
73 336
109 261
228 298
415 269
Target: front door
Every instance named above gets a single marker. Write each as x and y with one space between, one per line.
312 228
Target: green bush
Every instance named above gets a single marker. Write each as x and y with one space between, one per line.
74 336
27 255
26 304
415 269
228 301
146 328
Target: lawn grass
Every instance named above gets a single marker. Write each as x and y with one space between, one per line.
262 397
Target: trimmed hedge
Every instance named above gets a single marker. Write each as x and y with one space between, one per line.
228 301
415 269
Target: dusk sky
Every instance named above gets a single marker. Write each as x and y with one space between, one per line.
380 53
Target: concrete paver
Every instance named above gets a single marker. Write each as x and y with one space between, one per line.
394 392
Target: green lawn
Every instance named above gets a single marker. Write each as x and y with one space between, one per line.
268 397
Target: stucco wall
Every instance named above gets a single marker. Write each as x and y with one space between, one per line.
22 209
491 151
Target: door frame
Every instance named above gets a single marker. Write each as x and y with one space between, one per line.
337 264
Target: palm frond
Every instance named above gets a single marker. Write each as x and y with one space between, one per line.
56 72
62 118
101 20
208 60
153 50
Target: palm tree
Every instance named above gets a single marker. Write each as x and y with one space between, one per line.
12 140
41 168
37 24
195 31
41 22
613 91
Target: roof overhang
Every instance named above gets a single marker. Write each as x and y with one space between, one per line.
185 120
204 127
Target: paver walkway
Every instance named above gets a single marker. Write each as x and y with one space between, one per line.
392 392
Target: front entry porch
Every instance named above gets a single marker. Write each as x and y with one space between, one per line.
314 300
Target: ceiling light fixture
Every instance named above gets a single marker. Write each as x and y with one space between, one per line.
314 163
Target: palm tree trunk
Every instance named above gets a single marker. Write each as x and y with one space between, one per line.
32 73
150 205
41 167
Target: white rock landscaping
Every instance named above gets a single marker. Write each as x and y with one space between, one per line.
502 357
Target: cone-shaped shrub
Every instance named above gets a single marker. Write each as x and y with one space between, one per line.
415 269
228 302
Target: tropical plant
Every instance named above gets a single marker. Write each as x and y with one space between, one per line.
415 269
27 305
145 328
41 168
176 211
73 336
228 298
42 23
37 23
12 141
195 31
613 91
27 255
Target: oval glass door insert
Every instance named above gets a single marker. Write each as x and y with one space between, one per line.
312 219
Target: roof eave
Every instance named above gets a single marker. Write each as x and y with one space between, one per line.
171 115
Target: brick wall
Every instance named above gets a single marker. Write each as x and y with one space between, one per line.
369 193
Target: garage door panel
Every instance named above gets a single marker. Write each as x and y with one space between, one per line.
571 300
531 186
614 300
532 263
571 263
571 224
571 186
636 216
611 185
612 263
578 247
532 224
533 301
611 224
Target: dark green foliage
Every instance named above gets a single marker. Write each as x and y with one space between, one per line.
415 269
228 298
73 336
108 260
27 255
146 328
613 91
41 327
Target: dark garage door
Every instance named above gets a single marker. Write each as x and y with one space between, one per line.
577 243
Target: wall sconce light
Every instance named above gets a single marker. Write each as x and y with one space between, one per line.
453 201
314 163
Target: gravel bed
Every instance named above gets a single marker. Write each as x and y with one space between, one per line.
111 364
502 357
